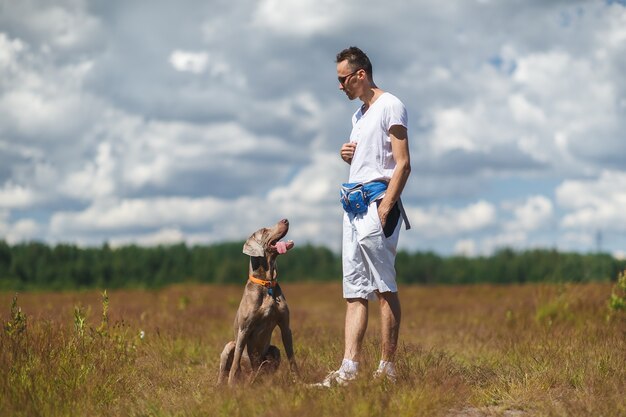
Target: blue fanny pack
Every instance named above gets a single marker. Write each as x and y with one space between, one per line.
356 197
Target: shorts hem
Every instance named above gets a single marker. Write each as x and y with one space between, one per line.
366 295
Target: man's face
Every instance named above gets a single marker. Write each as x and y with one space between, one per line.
348 79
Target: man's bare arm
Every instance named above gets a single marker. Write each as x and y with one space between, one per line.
400 151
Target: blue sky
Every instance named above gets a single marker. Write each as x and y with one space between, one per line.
162 122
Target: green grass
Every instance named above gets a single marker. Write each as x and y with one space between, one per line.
515 350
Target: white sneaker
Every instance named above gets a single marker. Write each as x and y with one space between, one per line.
336 379
381 374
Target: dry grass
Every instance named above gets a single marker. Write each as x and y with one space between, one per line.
469 351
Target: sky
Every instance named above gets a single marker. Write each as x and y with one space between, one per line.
159 122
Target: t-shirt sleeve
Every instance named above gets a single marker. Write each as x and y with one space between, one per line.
396 115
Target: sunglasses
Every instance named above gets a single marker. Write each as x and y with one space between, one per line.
342 80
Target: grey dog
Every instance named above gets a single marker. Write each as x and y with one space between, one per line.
262 308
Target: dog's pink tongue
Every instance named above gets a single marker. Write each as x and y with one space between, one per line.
281 247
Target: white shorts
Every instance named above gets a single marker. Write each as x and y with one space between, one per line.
368 256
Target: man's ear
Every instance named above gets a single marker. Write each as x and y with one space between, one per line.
253 246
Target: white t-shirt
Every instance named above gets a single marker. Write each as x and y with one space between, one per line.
373 159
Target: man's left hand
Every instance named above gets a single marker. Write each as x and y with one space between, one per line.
382 214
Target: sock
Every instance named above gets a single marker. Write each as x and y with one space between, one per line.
349 367
387 367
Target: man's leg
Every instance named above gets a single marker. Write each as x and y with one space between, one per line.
390 328
356 307
390 324
356 324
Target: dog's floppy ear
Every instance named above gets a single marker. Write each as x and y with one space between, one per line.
253 246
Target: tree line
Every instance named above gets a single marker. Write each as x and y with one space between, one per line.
38 266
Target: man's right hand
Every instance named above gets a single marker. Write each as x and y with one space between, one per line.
347 151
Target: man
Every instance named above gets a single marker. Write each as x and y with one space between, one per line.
378 153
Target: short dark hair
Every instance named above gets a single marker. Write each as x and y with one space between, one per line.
356 58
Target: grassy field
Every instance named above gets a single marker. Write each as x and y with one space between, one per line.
533 350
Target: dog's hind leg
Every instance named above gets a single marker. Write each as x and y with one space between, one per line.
271 361
226 361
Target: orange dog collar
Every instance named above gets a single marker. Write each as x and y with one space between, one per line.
263 282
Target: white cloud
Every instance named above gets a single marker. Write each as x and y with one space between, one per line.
465 247
16 196
302 18
315 184
96 179
525 112
195 62
544 103
535 213
154 153
594 204
516 240
9 51
42 101
24 229
449 221
67 26
571 240
164 236
619 254
310 201
612 33
19 231
136 213
34 114
579 95
454 129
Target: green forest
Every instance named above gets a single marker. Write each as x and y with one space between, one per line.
38 266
